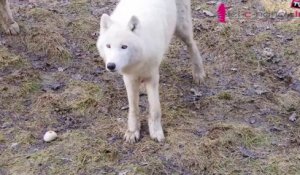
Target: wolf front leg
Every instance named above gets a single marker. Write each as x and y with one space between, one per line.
154 120
6 19
133 131
184 30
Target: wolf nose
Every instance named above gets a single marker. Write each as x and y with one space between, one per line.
111 66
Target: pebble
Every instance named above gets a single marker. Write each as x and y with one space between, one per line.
60 69
50 136
6 125
234 69
281 13
208 13
77 77
247 153
99 71
268 52
293 117
260 91
14 145
196 93
289 38
211 2
295 85
252 121
125 107
55 86
125 172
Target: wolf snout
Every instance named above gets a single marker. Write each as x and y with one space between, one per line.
111 66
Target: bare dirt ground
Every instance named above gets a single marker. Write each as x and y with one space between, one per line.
243 120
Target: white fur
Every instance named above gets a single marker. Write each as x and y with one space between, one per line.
146 27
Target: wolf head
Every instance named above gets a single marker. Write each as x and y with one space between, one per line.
119 45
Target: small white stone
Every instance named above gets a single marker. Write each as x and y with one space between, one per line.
268 52
211 2
50 136
281 13
60 69
208 13
196 93
293 117
14 145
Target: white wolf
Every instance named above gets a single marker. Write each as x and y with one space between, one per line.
6 19
133 41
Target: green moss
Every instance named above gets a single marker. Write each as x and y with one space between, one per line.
10 60
272 169
251 138
263 37
26 138
236 135
291 53
226 31
273 6
2 138
46 41
30 87
82 29
40 14
290 27
78 7
225 96
87 96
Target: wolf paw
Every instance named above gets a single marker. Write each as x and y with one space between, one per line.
198 74
12 29
157 135
132 136
156 132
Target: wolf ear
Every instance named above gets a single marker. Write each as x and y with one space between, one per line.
133 23
105 22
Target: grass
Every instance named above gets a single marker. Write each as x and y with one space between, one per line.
87 98
288 100
26 138
79 6
2 138
206 135
48 42
30 87
80 31
228 135
225 96
8 59
263 37
88 153
291 26
80 97
219 149
276 5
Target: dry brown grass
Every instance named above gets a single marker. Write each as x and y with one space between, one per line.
8 59
272 6
229 129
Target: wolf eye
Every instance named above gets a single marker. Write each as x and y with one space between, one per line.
124 47
108 46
